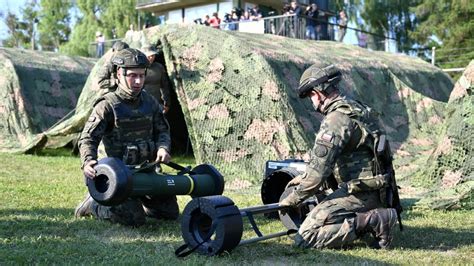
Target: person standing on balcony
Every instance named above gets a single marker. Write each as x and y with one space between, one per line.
215 21
295 26
311 14
100 40
342 25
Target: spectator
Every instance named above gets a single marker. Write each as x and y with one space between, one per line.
245 17
311 14
342 25
295 8
129 33
295 26
100 40
206 20
215 21
255 13
362 39
233 21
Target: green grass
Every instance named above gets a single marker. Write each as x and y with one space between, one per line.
39 193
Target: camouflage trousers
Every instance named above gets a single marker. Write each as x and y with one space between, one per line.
134 211
332 222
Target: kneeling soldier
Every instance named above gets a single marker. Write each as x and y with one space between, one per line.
352 148
129 124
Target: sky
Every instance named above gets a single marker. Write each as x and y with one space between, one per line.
9 5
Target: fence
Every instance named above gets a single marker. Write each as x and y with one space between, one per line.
92 49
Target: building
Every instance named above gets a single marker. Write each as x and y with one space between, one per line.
175 11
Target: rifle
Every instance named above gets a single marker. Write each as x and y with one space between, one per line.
383 155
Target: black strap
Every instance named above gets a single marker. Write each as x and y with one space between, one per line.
181 253
183 170
145 165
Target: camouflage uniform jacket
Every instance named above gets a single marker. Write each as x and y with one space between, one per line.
106 77
343 146
118 124
157 83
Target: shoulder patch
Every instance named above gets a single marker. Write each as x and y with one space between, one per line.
327 137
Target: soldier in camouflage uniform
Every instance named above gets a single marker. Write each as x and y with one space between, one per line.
345 149
106 76
129 124
157 83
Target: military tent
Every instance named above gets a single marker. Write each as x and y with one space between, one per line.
236 100
37 90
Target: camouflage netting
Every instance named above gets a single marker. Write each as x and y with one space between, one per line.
450 166
37 90
237 93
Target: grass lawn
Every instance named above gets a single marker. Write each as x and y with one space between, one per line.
39 193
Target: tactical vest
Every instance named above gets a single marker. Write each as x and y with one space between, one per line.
131 138
357 159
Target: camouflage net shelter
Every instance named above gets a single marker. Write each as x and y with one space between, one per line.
37 90
450 166
235 97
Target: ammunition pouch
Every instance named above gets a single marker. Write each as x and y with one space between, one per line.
378 182
139 152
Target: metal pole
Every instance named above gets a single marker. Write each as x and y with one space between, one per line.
433 55
261 238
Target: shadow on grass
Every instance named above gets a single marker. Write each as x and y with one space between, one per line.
53 235
432 238
61 221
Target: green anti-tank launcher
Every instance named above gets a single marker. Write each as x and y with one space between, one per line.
115 182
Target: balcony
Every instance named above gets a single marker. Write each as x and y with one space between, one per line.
161 6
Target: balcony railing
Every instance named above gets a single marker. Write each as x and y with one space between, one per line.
150 2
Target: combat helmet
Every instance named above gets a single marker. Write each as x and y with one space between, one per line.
319 79
119 45
130 58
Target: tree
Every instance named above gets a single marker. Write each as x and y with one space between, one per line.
389 18
87 24
54 23
448 25
30 18
16 35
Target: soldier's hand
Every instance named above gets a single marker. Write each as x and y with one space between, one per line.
89 170
162 156
291 201
295 181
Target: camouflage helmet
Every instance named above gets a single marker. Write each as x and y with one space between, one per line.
119 45
319 79
130 58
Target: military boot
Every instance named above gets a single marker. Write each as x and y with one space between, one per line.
380 223
85 208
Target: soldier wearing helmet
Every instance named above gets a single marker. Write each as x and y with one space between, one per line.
106 75
157 82
351 151
129 124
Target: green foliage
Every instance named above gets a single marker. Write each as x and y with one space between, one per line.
448 25
88 22
54 23
385 17
30 14
112 18
17 37
37 226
